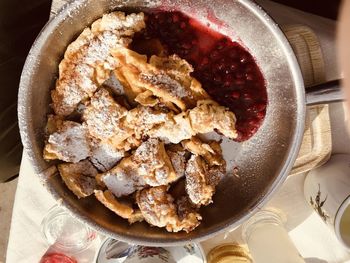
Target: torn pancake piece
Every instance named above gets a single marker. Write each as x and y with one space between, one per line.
123 210
88 61
148 165
123 179
208 116
158 209
189 218
153 162
198 184
180 70
177 155
168 79
79 177
210 151
70 142
104 155
177 129
204 170
143 119
103 118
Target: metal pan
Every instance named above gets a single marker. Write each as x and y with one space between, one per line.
264 161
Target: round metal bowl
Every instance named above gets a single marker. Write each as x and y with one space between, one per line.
263 161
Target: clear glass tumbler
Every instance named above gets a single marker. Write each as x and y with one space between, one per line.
65 233
268 240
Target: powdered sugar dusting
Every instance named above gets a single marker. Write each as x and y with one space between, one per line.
88 61
79 177
102 117
148 152
178 161
166 83
104 156
143 119
84 168
70 143
175 130
120 184
201 180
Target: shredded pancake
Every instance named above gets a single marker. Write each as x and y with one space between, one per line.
128 148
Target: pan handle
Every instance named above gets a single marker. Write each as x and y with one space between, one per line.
324 93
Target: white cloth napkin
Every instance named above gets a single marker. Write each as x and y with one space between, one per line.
32 202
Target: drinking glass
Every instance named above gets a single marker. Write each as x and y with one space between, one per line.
57 258
65 233
268 240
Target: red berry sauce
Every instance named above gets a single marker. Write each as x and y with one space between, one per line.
227 71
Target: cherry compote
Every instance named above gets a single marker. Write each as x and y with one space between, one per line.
227 71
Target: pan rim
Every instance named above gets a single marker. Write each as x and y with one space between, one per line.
26 128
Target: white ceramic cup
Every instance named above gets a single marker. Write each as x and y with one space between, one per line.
112 250
191 253
327 190
149 255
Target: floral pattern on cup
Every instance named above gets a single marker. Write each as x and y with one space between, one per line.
327 189
318 203
144 252
190 249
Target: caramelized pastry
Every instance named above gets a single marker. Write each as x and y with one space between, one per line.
70 142
198 188
210 151
149 165
158 209
104 155
79 177
143 119
208 116
175 130
153 162
88 62
141 135
201 179
121 209
103 118
188 216
123 179
168 79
